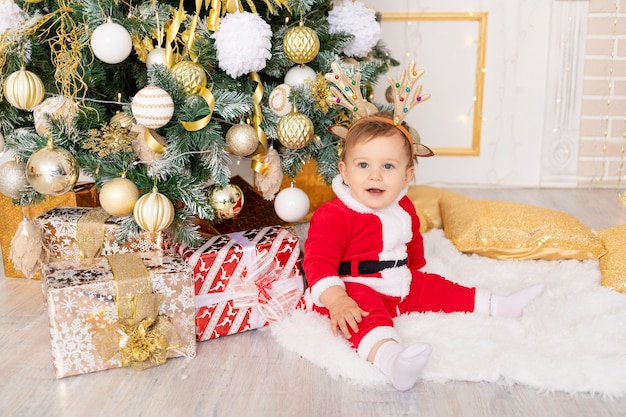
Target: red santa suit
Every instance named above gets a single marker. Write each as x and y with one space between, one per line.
344 230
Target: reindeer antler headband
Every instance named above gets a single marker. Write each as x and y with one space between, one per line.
347 93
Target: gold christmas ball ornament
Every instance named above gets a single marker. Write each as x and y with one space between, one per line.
12 178
52 171
227 201
242 139
121 119
153 212
279 100
56 108
118 196
191 75
23 89
152 107
301 44
295 130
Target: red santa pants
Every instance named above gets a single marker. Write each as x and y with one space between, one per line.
428 292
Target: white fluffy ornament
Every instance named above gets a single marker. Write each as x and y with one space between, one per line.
355 18
242 42
11 17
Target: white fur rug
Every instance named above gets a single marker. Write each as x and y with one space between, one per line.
572 338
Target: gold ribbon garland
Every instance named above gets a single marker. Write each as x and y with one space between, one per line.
259 164
172 32
142 337
221 7
206 92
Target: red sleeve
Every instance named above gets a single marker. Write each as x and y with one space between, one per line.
325 244
415 247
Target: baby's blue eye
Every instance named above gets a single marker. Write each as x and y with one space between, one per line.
363 165
388 166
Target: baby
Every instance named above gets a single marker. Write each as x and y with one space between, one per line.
364 254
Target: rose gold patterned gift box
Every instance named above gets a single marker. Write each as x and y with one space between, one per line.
61 234
90 303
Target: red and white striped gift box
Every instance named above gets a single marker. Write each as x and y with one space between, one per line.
244 280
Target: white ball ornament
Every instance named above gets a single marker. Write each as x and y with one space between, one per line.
292 204
299 75
156 56
111 42
153 212
118 196
152 107
279 100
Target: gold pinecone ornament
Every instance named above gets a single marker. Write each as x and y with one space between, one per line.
301 44
295 130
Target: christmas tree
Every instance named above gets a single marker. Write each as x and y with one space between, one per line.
155 99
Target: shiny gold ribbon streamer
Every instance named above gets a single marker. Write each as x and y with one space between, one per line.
259 164
207 95
142 337
90 232
145 134
172 31
213 20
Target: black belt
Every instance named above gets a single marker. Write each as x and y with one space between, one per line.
369 267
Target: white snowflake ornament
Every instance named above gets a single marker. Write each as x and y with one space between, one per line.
355 18
242 43
11 17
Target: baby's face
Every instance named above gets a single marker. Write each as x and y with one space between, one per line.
376 171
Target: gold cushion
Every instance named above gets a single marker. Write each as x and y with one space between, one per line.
613 263
508 230
426 202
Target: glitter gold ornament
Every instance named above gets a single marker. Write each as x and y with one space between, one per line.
242 139
191 75
23 89
52 171
12 178
57 108
295 130
153 212
152 107
301 44
118 196
226 201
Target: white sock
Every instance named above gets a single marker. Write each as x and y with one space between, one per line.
402 365
512 305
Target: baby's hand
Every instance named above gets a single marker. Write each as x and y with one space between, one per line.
345 314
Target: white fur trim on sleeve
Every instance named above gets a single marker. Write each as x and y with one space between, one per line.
322 285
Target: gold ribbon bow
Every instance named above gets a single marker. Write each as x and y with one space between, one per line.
142 337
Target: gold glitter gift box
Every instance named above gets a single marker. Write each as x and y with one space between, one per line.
84 195
61 234
89 331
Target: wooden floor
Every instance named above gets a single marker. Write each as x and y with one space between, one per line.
250 375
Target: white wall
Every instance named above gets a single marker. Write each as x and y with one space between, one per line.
515 86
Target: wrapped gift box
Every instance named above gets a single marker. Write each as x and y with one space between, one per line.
83 195
59 231
244 280
81 299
